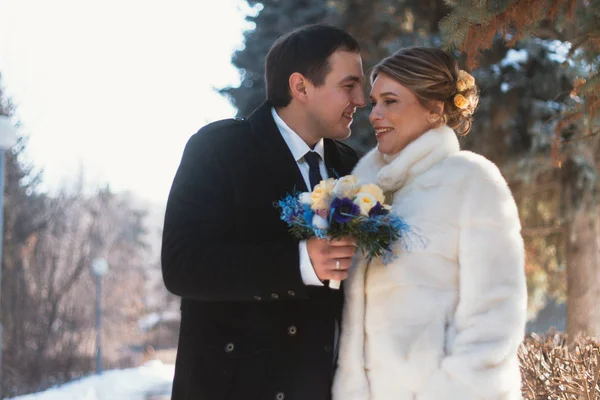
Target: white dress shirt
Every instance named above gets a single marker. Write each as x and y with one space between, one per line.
299 148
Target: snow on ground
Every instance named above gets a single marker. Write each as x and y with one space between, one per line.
152 379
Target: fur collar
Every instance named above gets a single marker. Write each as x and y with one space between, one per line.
393 172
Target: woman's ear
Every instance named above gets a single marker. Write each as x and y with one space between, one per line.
437 107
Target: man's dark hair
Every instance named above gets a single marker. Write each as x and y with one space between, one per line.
305 50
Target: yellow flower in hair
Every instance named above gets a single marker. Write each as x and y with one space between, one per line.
461 102
465 81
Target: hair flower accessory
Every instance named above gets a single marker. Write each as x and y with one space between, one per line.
465 81
461 102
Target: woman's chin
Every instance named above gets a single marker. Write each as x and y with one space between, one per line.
382 148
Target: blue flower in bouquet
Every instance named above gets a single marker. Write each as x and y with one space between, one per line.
291 209
343 210
308 214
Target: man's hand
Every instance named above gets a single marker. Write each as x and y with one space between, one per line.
331 259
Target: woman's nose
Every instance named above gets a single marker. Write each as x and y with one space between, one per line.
375 115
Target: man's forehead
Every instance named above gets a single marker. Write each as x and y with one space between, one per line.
346 65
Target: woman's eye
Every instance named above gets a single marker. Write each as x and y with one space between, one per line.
388 102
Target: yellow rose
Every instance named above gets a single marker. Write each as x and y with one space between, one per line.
461 102
320 198
365 202
467 79
346 186
327 185
470 82
374 191
461 85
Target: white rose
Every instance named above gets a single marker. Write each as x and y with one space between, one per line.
372 189
306 198
365 202
346 186
320 222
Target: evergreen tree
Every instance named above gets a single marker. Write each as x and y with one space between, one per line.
274 19
568 136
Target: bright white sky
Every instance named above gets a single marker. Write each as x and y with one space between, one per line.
117 86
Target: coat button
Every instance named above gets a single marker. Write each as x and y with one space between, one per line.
274 296
292 330
229 347
291 293
280 396
257 297
327 348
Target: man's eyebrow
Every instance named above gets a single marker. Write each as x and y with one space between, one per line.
351 78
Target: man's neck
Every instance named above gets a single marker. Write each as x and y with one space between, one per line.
296 119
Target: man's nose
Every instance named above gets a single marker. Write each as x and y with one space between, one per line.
359 100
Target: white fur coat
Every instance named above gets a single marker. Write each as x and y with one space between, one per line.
445 319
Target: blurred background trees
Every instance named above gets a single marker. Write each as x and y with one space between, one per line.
48 294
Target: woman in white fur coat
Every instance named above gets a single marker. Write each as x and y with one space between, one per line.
443 320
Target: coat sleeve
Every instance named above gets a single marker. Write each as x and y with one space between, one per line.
202 259
489 321
350 381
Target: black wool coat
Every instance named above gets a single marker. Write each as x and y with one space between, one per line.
250 328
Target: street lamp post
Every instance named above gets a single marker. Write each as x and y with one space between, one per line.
99 269
8 138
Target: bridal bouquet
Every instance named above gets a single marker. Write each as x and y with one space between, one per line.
339 208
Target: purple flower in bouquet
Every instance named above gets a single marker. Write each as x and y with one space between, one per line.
377 209
343 210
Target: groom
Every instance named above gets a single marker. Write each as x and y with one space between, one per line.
257 318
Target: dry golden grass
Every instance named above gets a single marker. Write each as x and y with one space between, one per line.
551 369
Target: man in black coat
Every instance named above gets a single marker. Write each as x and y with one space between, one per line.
258 320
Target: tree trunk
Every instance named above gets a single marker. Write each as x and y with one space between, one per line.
582 254
583 276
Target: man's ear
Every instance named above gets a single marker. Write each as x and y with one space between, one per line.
299 86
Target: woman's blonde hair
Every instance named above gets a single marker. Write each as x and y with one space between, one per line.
432 74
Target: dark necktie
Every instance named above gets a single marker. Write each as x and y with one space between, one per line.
314 174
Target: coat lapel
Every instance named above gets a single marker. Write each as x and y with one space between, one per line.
274 153
333 162
278 158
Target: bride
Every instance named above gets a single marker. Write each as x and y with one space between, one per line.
444 319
